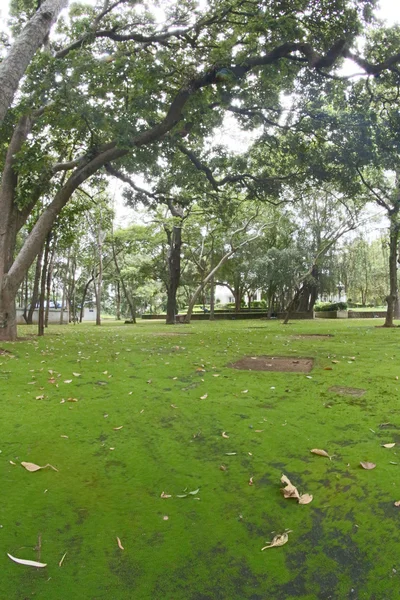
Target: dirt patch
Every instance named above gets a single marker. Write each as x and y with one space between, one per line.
347 391
311 336
274 363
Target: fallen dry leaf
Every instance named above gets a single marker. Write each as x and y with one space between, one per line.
72 399
389 445
173 406
320 452
164 495
28 563
40 397
258 430
64 436
62 559
397 503
290 491
149 381
120 546
223 468
368 465
165 518
118 428
76 374
224 435
68 381
328 369
305 499
251 482
204 397
335 362
279 540
244 391
13 463
32 467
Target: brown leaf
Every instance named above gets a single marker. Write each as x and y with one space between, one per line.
289 491
251 482
72 399
335 362
279 540
389 445
320 452
32 467
328 369
368 465
397 503
120 546
223 468
305 499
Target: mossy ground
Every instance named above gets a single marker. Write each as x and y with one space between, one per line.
345 544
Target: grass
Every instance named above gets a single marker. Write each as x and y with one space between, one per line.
344 544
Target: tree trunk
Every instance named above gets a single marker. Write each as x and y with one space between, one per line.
26 295
35 290
43 287
393 289
8 316
85 290
118 301
174 271
127 295
23 50
65 283
48 284
212 298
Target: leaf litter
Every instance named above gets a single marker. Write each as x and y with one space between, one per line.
290 491
28 563
279 540
32 467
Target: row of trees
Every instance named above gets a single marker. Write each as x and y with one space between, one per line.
115 93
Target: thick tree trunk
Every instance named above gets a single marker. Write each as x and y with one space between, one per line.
35 290
23 50
393 288
8 319
174 271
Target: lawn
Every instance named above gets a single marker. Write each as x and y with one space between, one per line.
150 412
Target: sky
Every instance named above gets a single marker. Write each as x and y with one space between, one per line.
389 11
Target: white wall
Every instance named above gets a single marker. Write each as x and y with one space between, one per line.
54 316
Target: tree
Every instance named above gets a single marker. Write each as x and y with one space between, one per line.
64 131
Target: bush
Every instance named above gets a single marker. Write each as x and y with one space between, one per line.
330 306
259 304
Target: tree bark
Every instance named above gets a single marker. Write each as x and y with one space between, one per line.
43 287
127 295
65 283
85 290
393 287
49 280
174 271
118 301
212 298
35 290
23 50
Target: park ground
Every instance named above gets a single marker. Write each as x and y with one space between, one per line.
126 413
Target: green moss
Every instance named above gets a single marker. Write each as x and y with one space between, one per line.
345 540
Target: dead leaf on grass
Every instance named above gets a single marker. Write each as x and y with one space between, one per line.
120 546
72 399
40 397
389 445
320 453
68 381
279 540
204 397
290 491
251 482
224 435
32 467
76 374
62 559
13 463
368 465
118 428
397 503
164 495
28 563
335 362
173 406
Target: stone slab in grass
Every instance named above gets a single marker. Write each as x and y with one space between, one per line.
347 391
274 363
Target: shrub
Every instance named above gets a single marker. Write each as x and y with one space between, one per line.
330 306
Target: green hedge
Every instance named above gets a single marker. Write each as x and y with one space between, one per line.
330 306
